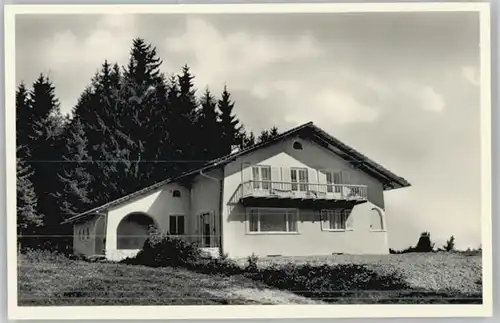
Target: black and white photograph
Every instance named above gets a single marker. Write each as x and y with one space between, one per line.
191 156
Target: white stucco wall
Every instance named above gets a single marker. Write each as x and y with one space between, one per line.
83 236
310 240
158 204
205 197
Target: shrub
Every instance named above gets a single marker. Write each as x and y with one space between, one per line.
162 250
424 243
252 263
450 244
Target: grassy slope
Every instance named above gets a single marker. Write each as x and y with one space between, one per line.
429 271
59 281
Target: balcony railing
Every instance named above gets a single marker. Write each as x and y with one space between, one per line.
300 190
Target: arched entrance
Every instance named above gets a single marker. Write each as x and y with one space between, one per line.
376 220
133 229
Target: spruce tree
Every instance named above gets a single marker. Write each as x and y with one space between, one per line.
22 121
74 196
28 217
183 132
230 128
208 127
142 81
44 142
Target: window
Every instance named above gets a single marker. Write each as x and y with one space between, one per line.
297 145
176 193
262 177
333 181
273 220
335 219
176 225
299 179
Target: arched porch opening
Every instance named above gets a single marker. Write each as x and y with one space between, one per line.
133 230
376 220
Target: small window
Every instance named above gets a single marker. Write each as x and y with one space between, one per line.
297 145
176 193
176 224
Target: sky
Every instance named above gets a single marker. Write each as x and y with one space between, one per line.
402 88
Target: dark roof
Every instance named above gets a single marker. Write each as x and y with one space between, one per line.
307 130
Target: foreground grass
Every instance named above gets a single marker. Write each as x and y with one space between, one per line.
431 272
404 279
58 281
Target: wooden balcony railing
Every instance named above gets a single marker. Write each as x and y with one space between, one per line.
300 190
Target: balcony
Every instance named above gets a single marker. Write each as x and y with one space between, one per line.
259 191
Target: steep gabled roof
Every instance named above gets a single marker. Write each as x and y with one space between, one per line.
388 179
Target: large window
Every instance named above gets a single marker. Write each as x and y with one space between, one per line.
272 220
176 224
299 179
262 177
335 219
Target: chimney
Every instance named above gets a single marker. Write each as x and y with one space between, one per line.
235 149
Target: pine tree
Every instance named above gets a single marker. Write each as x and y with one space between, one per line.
28 217
266 135
141 84
248 139
230 128
450 244
44 142
183 132
208 126
22 121
74 197
273 132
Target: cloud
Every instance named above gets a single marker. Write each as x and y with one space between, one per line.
237 58
72 61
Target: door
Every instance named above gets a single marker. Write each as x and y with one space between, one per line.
299 178
207 228
261 176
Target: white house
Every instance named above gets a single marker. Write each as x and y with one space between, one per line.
301 193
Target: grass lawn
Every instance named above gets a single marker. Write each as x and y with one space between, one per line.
432 272
57 281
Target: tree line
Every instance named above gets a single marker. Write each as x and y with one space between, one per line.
131 127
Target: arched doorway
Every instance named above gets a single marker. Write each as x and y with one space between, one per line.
132 231
376 220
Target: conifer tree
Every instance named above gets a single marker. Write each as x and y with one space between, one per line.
208 126
183 133
22 121
28 217
143 96
74 196
44 145
229 123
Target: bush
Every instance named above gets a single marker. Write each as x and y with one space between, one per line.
424 243
252 263
450 244
162 250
